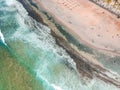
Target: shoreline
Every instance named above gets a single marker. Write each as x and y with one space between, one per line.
84 67
72 34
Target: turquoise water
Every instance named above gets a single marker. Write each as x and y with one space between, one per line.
32 60
31 45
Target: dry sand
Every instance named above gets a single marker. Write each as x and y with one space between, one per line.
87 22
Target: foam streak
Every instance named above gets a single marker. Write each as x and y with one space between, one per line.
2 38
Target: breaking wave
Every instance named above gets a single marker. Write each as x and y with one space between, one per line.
2 38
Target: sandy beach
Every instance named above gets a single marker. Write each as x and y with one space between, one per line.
93 27
87 22
58 45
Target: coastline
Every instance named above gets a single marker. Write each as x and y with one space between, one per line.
84 66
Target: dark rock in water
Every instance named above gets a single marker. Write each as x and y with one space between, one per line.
34 14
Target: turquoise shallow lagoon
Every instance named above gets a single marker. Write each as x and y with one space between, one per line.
32 60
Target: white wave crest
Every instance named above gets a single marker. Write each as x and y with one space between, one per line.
2 38
56 87
10 2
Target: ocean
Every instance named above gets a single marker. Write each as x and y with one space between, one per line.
30 59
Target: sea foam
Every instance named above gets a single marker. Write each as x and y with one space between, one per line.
2 38
56 87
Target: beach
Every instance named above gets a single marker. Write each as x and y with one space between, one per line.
95 33
46 45
101 33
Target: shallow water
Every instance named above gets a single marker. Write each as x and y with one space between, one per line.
32 60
